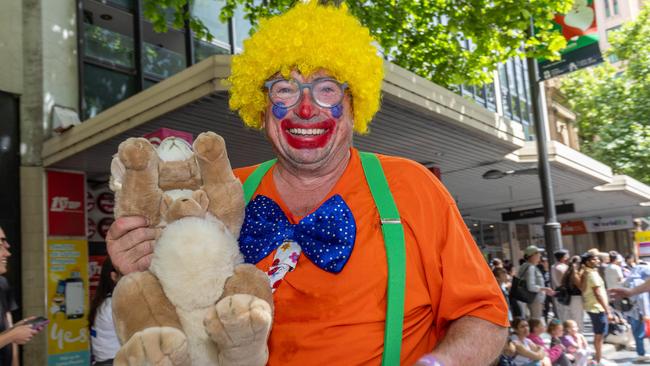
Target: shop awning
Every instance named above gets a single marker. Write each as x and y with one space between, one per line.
577 179
418 120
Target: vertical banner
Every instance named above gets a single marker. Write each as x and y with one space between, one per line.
66 214
68 337
642 239
68 341
580 30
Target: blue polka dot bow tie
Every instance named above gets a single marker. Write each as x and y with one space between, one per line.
326 236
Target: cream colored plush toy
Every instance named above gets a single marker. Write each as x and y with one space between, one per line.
198 304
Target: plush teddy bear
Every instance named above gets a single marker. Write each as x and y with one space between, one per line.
198 304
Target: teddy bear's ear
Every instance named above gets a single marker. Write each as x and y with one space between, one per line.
201 198
117 174
165 204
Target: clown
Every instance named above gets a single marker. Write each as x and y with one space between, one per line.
368 256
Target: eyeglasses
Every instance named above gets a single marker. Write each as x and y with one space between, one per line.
325 92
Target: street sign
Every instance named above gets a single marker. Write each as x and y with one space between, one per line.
580 30
535 212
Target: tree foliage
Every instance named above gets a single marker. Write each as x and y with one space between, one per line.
428 37
613 103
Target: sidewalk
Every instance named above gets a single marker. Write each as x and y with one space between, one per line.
624 357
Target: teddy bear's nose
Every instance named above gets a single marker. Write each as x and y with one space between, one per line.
184 200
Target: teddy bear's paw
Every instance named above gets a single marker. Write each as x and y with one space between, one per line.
238 320
157 346
209 146
136 153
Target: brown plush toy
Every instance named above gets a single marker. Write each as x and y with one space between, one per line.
198 304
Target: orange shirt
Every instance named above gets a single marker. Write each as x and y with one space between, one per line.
338 319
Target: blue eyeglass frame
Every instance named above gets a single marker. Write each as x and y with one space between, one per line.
301 86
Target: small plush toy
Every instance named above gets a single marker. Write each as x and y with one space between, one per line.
198 304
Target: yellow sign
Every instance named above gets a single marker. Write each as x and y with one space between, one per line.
642 239
68 337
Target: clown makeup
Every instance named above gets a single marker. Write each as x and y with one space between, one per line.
308 132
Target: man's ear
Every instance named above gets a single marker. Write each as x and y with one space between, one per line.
201 198
165 205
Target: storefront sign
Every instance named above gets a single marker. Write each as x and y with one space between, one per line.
609 224
573 228
65 202
68 338
580 30
642 240
535 212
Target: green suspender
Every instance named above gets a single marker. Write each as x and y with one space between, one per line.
254 180
393 232
391 227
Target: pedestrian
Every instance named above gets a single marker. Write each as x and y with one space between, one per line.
543 267
613 271
534 280
557 273
309 78
638 309
629 264
595 302
103 340
11 335
572 281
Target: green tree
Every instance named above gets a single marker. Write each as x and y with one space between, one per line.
424 36
613 102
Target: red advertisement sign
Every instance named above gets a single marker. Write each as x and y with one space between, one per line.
65 203
95 263
573 228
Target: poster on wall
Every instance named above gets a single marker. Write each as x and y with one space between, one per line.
642 240
580 30
100 210
66 213
67 302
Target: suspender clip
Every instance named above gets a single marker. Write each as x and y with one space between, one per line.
390 221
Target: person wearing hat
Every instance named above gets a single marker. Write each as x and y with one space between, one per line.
557 272
534 280
613 271
595 299
308 79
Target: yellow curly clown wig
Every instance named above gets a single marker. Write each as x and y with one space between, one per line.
308 37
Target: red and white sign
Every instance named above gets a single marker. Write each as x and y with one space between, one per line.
66 192
106 202
573 228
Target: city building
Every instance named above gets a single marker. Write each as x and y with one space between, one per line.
79 77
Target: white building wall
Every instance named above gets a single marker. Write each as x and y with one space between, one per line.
628 10
11 49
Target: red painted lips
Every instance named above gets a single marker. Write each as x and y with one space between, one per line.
307 135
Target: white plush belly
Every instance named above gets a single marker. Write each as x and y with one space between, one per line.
192 259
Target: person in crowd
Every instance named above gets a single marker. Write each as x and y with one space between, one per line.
628 266
555 354
11 335
527 352
104 343
640 309
287 82
507 354
504 283
575 343
596 302
496 263
557 273
613 271
543 267
534 280
572 280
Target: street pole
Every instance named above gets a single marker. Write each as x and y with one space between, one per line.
552 228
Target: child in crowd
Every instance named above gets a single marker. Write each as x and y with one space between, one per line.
575 343
527 352
555 353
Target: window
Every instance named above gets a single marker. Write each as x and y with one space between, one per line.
163 54
608 12
615 6
208 12
104 88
